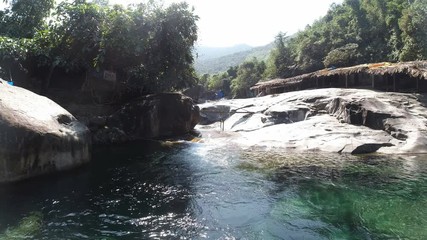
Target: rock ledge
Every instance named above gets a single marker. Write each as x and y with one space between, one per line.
331 120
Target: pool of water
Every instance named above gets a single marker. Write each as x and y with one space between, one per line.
198 190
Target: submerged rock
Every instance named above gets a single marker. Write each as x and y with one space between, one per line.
332 120
37 136
154 116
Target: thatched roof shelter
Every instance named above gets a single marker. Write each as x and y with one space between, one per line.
340 76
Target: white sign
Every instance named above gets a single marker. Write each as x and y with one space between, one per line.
110 76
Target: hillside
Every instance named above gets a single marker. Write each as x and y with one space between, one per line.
204 53
214 65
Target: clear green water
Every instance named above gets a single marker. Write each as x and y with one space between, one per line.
197 191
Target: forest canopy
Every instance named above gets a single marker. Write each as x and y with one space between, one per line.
354 32
148 45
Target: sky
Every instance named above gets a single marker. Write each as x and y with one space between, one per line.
225 23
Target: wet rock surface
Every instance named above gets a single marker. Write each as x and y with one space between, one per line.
332 120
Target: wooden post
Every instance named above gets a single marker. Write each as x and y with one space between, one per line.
373 81
386 82
394 83
346 81
418 85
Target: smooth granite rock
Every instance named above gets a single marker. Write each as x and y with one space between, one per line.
37 136
331 120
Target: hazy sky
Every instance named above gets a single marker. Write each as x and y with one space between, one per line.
255 22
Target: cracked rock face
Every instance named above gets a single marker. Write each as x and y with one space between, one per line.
37 136
331 120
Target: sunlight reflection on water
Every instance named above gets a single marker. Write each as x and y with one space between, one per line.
219 191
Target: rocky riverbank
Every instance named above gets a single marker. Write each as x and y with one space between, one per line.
331 120
38 136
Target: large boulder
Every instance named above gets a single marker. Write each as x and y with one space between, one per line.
37 136
150 117
195 92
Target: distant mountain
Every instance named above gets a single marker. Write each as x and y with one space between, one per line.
205 53
221 63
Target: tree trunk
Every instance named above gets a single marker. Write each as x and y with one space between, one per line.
46 81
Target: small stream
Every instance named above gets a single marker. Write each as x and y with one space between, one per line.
219 191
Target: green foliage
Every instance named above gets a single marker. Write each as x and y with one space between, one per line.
355 32
343 56
171 56
204 80
148 45
242 77
232 72
216 81
23 18
12 51
280 61
414 31
75 36
248 74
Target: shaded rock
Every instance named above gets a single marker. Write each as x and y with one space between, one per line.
154 116
110 136
396 133
94 123
37 136
399 135
370 148
98 121
214 113
367 112
278 116
195 92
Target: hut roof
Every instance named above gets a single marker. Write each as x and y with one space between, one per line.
415 69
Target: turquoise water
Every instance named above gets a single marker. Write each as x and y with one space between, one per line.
197 191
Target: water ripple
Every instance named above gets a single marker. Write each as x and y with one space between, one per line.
219 191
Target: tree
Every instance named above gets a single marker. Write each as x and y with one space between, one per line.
216 81
282 57
395 9
149 46
414 32
249 73
310 47
167 61
72 42
355 32
343 56
232 72
24 18
12 52
204 80
20 21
